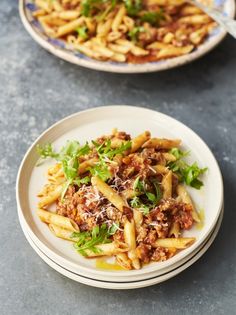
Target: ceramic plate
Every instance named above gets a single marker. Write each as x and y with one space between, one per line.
57 47
87 125
128 284
119 278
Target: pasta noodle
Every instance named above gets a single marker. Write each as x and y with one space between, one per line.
139 31
120 196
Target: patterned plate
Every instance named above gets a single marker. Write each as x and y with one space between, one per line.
57 47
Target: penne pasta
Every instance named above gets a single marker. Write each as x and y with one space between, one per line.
167 185
126 37
123 260
109 249
174 230
130 239
69 27
160 169
111 199
84 166
178 243
138 218
52 196
109 193
58 220
61 232
161 143
118 18
139 141
183 194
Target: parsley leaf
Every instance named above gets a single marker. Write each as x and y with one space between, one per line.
133 34
82 31
101 170
191 174
68 156
152 199
106 154
186 173
152 17
133 6
89 239
46 151
136 203
115 226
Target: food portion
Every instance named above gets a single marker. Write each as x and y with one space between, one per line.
121 196
132 31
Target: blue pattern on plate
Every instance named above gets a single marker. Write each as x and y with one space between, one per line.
31 7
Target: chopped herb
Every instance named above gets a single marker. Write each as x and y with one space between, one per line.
85 180
133 34
89 239
191 174
152 17
151 197
136 203
133 6
46 151
68 156
158 191
112 230
105 151
82 31
139 185
106 154
89 5
186 173
101 170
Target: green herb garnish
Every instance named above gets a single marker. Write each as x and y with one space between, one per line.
186 173
133 34
133 6
106 154
113 229
46 151
83 32
89 239
152 17
152 198
68 156
136 203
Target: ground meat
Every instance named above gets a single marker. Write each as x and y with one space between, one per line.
144 252
142 233
148 36
119 236
151 237
85 206
184 216
128 213
113 213
160 254
123 135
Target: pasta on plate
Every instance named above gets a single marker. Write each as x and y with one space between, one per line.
121 196
132 31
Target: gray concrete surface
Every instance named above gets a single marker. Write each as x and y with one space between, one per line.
37 89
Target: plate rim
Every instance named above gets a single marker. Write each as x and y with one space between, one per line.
169 63
111 107
123 286
150 275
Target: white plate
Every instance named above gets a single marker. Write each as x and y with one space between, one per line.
88 125
130 278
127 285
57 47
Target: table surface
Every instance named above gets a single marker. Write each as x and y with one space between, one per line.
37 89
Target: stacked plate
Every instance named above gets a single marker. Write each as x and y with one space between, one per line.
86 125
